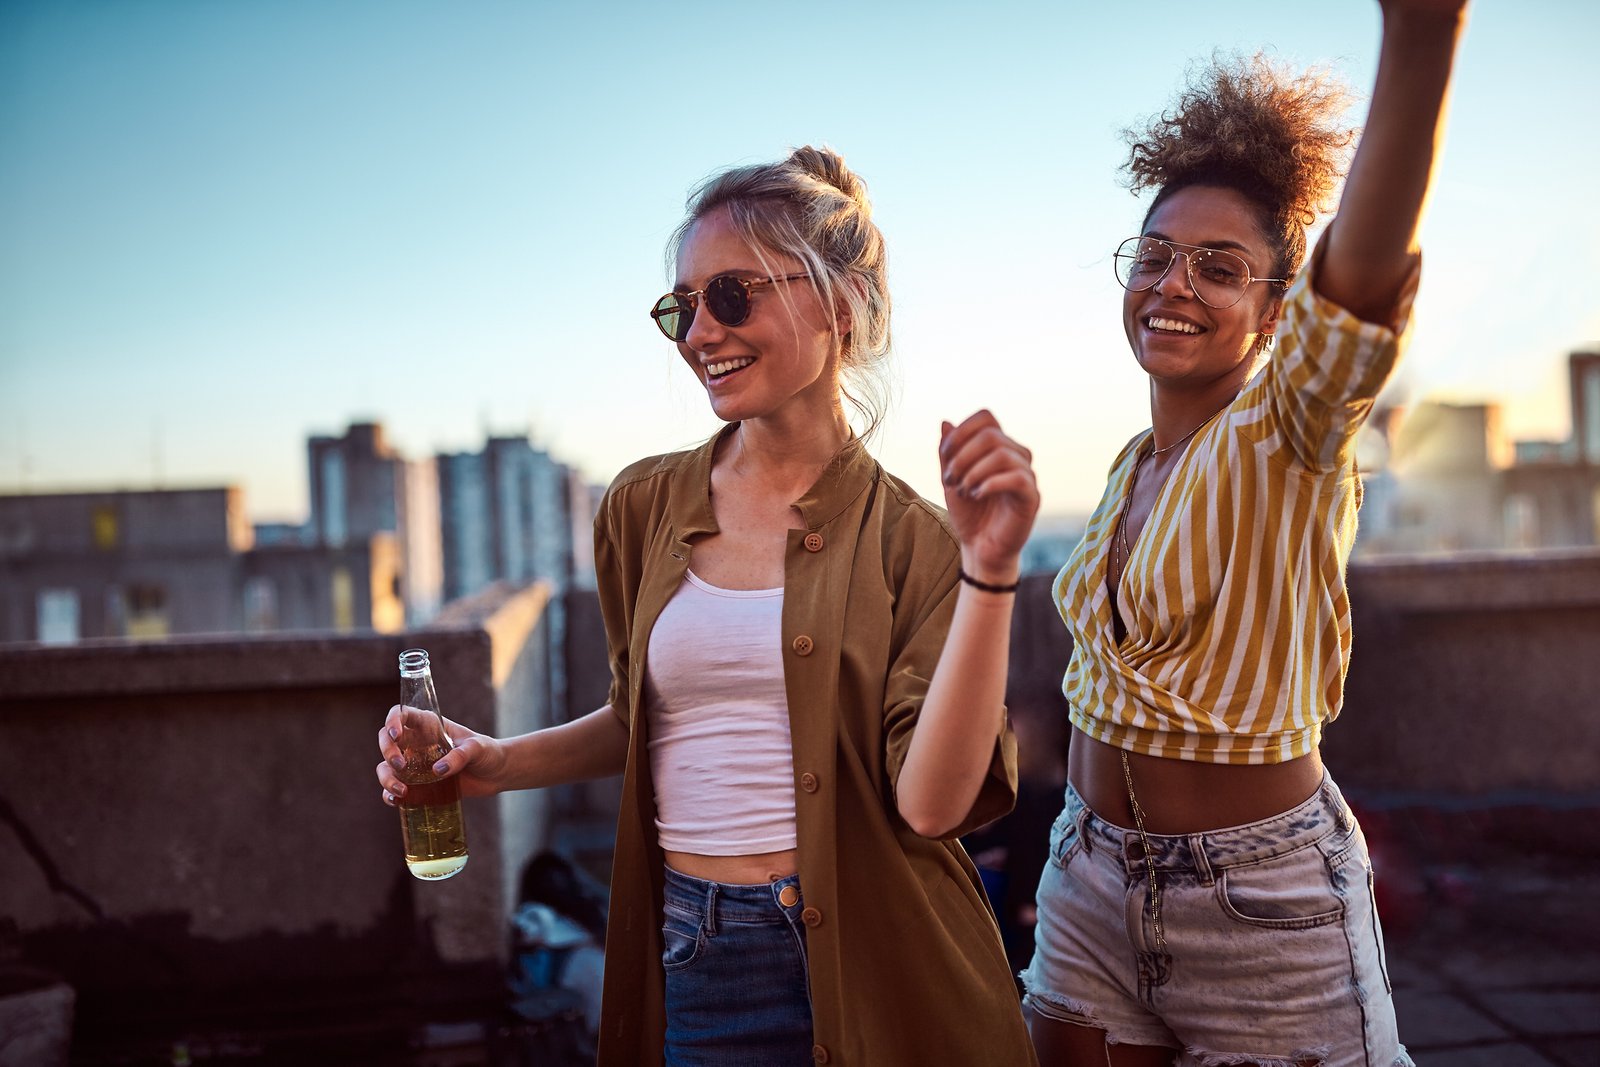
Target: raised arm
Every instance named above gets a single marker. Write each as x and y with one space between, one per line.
1374 235
992 498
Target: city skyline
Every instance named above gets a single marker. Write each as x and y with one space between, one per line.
234 228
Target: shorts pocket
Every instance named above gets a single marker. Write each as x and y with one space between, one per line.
1290 892
1065 841
683 938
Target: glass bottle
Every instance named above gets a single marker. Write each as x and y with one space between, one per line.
431 827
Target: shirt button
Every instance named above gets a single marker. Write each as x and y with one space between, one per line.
819 1054
808 782
803 645
813 542
811 917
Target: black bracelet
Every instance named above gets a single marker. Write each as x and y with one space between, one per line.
986 586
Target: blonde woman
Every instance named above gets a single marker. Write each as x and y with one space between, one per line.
808 665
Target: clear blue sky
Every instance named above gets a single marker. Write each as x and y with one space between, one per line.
227 226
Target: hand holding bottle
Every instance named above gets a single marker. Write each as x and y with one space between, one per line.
476 758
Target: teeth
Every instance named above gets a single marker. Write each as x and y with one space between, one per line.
1171 324
717 370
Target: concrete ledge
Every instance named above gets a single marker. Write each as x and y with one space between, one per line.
1480 582
122 666
206 821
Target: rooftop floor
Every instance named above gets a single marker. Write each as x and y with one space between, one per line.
1493 929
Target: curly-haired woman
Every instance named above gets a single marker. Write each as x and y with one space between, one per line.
1209 896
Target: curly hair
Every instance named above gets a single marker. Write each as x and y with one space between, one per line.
1246 123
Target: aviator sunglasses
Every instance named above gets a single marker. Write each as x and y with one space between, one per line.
1218 278
727 298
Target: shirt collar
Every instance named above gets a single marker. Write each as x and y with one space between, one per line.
845 478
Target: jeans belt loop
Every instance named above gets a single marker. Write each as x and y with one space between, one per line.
711 909
1202 862
1083 829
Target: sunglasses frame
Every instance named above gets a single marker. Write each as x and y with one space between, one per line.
695 298
1187 252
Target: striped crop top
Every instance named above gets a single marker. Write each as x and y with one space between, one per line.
1238 620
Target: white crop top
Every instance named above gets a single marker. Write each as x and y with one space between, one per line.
720 753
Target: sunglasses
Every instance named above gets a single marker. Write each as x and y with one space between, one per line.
1218 278
727 298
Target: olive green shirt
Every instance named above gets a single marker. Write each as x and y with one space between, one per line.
906 965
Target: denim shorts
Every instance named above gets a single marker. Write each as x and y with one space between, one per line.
1272 947
735 960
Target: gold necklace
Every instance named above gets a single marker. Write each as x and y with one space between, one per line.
1133 480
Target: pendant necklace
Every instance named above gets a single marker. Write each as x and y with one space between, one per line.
1133 480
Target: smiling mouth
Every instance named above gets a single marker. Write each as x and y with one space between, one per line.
728 366
1161 325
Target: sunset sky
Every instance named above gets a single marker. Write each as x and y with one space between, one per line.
227 226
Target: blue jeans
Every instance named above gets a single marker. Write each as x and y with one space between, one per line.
1272 948
735 961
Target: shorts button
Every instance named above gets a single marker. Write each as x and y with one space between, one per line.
808 782
788 896
819 1054
811 917
803 645
813 542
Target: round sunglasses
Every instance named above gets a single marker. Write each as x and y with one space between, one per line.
727 297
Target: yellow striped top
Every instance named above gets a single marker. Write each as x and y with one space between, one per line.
1234 599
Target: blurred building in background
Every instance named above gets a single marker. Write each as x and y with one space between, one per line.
177 561
388 541
361 487
1446 478
505 514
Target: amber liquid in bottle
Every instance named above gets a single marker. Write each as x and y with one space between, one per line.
431 827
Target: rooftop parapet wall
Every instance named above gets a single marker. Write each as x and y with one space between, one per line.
1473 675
201 814
1470 675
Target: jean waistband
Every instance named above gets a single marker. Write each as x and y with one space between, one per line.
762 903
1323 813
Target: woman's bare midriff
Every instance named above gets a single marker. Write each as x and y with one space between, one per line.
1183 796
735 870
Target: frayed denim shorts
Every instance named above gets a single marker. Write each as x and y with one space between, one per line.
738 991
1272 948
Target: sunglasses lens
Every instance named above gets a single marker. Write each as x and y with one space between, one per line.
728 300
1140 262
673 315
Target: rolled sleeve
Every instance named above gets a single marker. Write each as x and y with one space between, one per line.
1330 366
907 688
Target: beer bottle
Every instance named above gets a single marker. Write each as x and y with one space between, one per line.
431 827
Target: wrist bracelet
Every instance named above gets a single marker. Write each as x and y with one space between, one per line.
987 587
